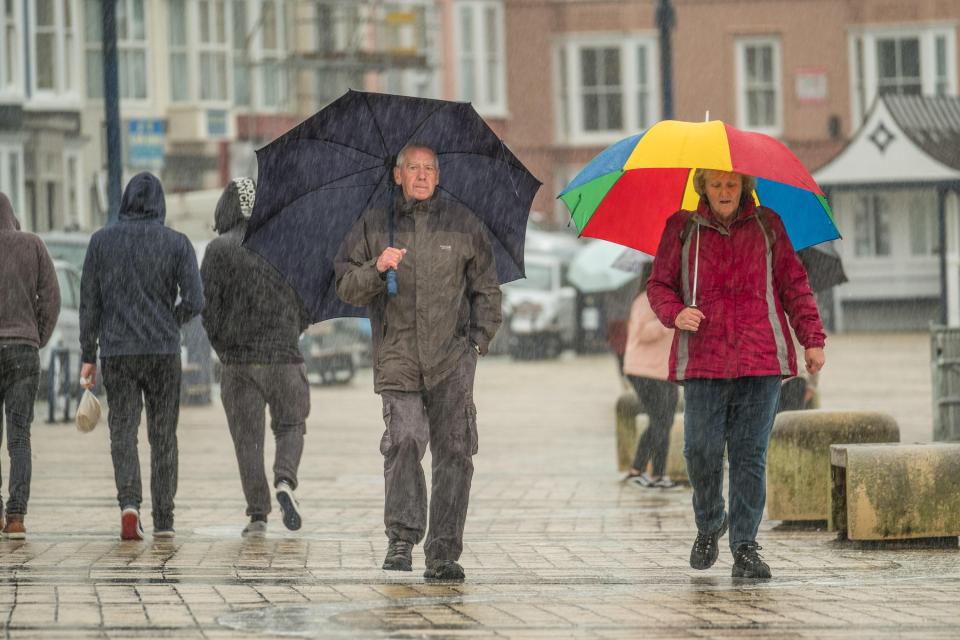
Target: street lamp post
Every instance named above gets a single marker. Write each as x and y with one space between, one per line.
666 19
111 102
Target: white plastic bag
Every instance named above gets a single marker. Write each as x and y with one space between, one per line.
88 412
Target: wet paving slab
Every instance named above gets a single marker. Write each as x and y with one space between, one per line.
556 546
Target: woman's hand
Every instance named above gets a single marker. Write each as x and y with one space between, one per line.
689 319
814 359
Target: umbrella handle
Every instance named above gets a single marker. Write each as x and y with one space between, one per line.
391 282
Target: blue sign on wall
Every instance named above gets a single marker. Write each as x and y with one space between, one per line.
145 144
216 123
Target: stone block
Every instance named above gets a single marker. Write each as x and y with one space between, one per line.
798 458
631 423
895 491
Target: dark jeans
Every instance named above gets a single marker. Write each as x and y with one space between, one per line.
659 400
738 413
246 390
19 379
132 382
446 418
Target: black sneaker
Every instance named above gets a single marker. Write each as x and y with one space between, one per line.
449 570
399 556
288 506
705 549
747 563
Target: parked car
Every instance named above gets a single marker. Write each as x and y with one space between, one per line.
69 246
334 349
540 310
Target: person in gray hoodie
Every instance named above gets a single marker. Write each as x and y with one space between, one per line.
133 272
254 320
29 307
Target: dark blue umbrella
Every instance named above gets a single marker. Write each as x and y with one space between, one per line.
318 178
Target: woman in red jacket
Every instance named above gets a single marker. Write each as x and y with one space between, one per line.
726 277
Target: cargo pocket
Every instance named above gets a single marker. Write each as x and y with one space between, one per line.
472 439
385 442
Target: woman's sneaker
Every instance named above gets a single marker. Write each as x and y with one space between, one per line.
705 548
748 564
130 527
288 506
642 480
664 482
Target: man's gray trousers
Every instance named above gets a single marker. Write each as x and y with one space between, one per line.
446 418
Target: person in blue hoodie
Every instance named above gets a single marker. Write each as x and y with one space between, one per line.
133 273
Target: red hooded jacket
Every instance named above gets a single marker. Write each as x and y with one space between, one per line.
749 280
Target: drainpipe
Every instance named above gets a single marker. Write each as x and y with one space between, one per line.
666 19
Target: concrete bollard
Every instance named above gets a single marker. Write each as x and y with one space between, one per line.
798 459
895 491
629 428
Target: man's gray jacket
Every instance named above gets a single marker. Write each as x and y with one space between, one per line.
449 295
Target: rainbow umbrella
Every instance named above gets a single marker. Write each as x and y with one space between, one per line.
627 192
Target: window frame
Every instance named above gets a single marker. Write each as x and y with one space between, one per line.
74 178
482 57
10 148
201 48
12 88
66 44
127 45
568 96
864 72
741 46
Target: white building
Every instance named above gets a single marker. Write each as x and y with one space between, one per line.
894 192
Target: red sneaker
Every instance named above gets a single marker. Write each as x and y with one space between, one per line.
130 527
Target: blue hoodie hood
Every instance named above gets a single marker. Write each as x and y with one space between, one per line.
143 199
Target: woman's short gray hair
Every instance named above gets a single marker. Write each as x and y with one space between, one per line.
417 145
700 182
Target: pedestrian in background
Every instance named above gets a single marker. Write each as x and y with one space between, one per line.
29 307
426 341
645 366
254 321
726 277
132 275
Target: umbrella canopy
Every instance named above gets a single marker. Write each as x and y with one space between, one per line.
318 178
823 265
591 270
632 261
628 191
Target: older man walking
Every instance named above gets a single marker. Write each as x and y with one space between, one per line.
426 341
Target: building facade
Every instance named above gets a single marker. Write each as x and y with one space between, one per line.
585 74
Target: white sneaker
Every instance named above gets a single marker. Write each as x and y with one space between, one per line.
289 506
255 529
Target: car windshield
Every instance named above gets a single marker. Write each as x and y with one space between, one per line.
68 252
539 277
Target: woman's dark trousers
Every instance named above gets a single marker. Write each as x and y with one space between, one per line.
659 399
737 413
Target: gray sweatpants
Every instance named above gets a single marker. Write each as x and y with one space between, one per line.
246 391
446 418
